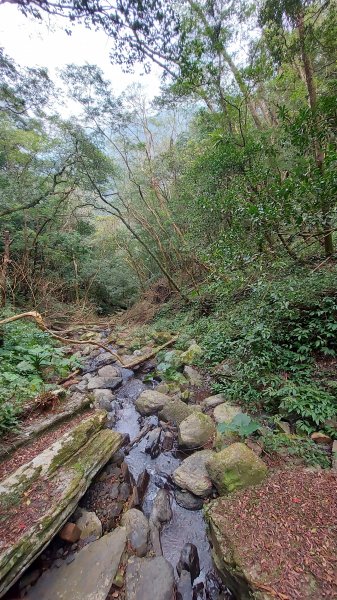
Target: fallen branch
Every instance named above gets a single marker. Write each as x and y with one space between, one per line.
40 323
145 357
138 438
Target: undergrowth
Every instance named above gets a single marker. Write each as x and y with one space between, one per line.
30 362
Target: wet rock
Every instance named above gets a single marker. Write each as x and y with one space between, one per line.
168 441
153 442
104 399
151 402
184 587
70 533
191 355
213 401
321 438
225 413
110 383
189 561
161 511
124 491
109 371
137 530
193 376
188 500
192 474
142 483
114 511
213 587
234 468
148 578
175 412
90 575
198 592
118 458
89 524
196 431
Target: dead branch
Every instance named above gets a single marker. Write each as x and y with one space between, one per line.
145 357
40 323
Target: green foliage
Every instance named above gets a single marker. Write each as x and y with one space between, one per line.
29 363
303 448
242 425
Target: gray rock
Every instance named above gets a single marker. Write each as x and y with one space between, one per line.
196 431
175 412
110 383
151 402
89 576
109 371
137 530
225 413
81 386
89 524
213 401
184 587
193 376
192 474
103 399
188 500
161 513
189 561
153 442
105 358
149 578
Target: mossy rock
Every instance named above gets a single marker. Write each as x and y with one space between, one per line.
191 355
235 467
196 431
175 412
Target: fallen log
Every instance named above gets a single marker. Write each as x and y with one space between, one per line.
140 359
39 497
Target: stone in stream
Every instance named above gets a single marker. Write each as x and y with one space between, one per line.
196 431
175 412
213 586
104 398
184 587
89 524
192 474
225 413
89 576
188 500
189 561
110 383
153 442
161 513
151 402
168 441
109 371
137 530
235 467
149 579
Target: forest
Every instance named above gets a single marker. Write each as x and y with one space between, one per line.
207 215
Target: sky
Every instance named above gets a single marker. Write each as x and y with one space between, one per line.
32 43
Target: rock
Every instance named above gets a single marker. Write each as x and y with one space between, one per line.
189 561
137 530
175 412
153 442
89 524
124 491
70 533
104 395
192 375
149 578
188 500
89 576
235 467
334 455
321 438
213 401
109 371
65 471
192 474
225 413
161 511
110 383
196 431
284 427
191 355
105 358
213 586
184 587
163 388
151 402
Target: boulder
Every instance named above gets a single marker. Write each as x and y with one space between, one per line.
57 479
137 530
187 500
192 375
151 402
235 467
149 578
89 524
110 383
196 431
109 371
225 413
190 356
89 576
213 401
175 412
192 475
